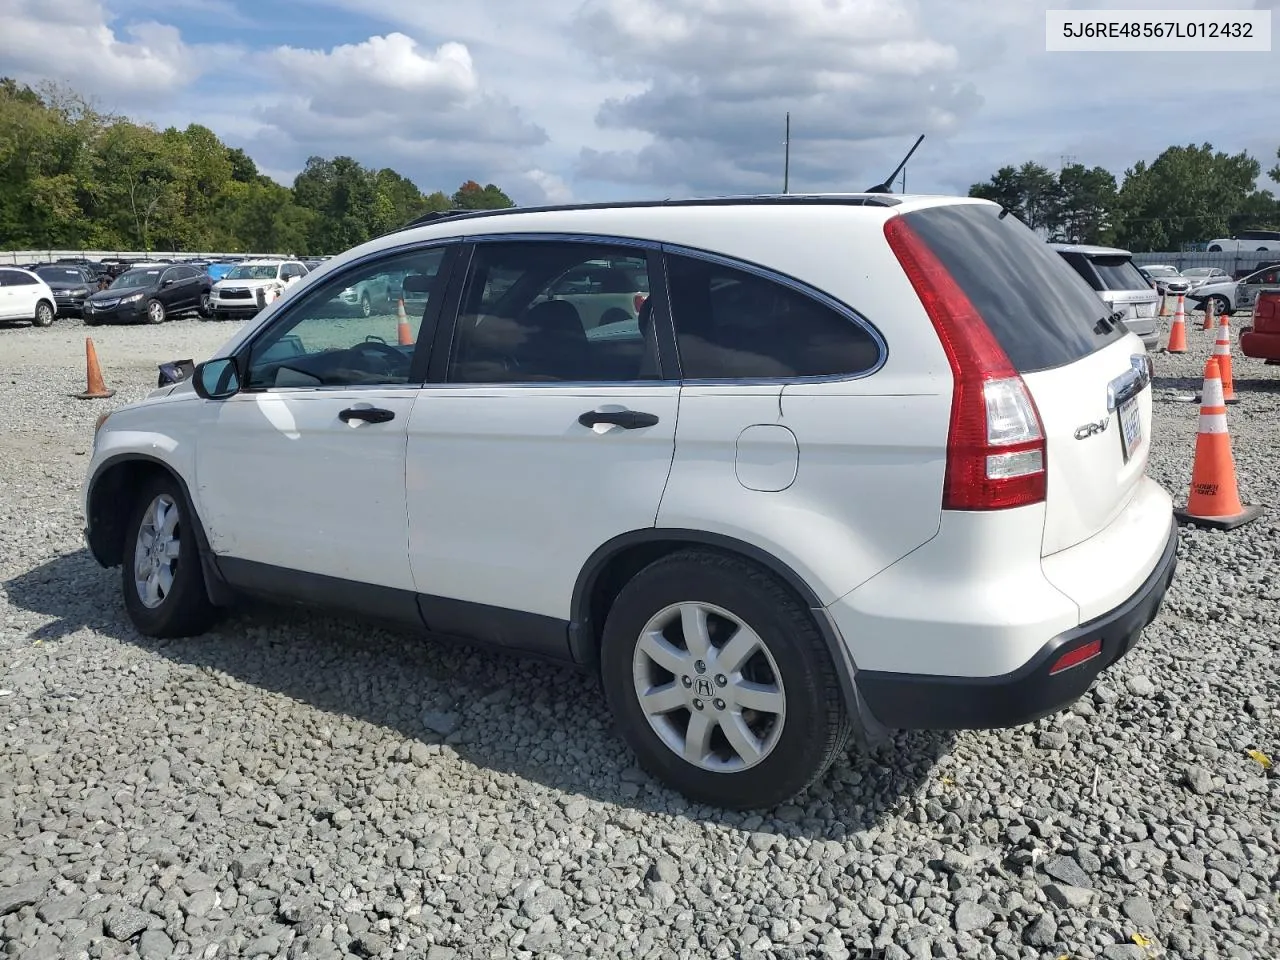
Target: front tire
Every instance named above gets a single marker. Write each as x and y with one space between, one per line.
720 681
44 314
366 305
1221 305
164 591
155 312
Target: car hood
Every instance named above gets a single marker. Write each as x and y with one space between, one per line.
250 284
117 294
1216 286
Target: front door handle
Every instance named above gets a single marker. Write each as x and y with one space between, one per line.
626 419
367 414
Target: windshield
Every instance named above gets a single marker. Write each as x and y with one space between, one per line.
1195 273
254 272
136 278
60 275
1118 273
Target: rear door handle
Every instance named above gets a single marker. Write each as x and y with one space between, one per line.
367 414
626 419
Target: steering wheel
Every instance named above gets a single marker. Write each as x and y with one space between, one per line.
374 338
392 356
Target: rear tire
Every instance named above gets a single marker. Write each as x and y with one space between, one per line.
44 314
163 584
773 722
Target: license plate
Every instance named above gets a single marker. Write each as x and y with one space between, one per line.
1130 427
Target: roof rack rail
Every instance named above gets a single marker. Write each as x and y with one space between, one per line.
771 199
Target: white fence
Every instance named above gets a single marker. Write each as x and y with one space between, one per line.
19 257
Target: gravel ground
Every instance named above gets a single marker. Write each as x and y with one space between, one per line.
304 786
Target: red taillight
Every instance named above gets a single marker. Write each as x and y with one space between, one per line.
995 447
1073 658
639 301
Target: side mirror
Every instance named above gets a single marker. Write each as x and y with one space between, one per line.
166 283
217 379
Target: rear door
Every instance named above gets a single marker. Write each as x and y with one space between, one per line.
8 294
536 442
1089 379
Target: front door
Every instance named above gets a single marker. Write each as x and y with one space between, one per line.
544 441
303 470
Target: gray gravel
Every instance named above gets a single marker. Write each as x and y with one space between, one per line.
304 786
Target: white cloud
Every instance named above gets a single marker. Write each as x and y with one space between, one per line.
73 41
719 75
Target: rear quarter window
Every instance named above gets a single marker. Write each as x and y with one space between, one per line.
1040 310
1119 273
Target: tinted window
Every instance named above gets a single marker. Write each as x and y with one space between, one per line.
524 318
346 333
733 324
1040 311
60 275
135 279
1118 273
20 278
9 278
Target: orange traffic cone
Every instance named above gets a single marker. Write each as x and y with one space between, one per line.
1178 332
403 333
1222 353
96 388
1164 305
1208 315
1214 500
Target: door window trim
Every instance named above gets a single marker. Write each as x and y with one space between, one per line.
305 293
797 286
668 367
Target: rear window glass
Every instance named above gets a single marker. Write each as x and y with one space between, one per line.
1118 273
1040 311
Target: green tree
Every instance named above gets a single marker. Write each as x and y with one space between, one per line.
472 196
1086 199
1187 194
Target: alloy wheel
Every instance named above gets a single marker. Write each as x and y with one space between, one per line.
156 550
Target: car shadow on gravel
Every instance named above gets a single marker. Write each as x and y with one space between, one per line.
529 719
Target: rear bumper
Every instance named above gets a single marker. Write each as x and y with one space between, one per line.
1260 346
927 702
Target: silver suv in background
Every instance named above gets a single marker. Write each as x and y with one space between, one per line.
1122 287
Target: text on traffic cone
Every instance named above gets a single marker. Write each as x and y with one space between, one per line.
95 387
1178 331
1214 500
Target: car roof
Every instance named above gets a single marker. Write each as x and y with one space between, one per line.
263 262
1090 250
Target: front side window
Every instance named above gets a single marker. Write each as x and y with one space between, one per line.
348 332
527 317
733 324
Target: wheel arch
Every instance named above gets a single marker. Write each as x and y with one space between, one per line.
108 503
609 568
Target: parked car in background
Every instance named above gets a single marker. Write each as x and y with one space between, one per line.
25 296
1166 279
1247 241
217 271
1119 284
149 294
70 283
1228 296
1199 276
251 284
955 419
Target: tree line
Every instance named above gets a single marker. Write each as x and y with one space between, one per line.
1187 195
72 177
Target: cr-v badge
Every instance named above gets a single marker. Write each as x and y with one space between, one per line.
1089 429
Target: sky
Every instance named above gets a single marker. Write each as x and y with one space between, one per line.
593 100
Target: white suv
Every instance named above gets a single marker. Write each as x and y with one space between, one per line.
252 284
859 462
24 296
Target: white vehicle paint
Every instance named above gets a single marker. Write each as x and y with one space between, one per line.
251 284
24 296
922 479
